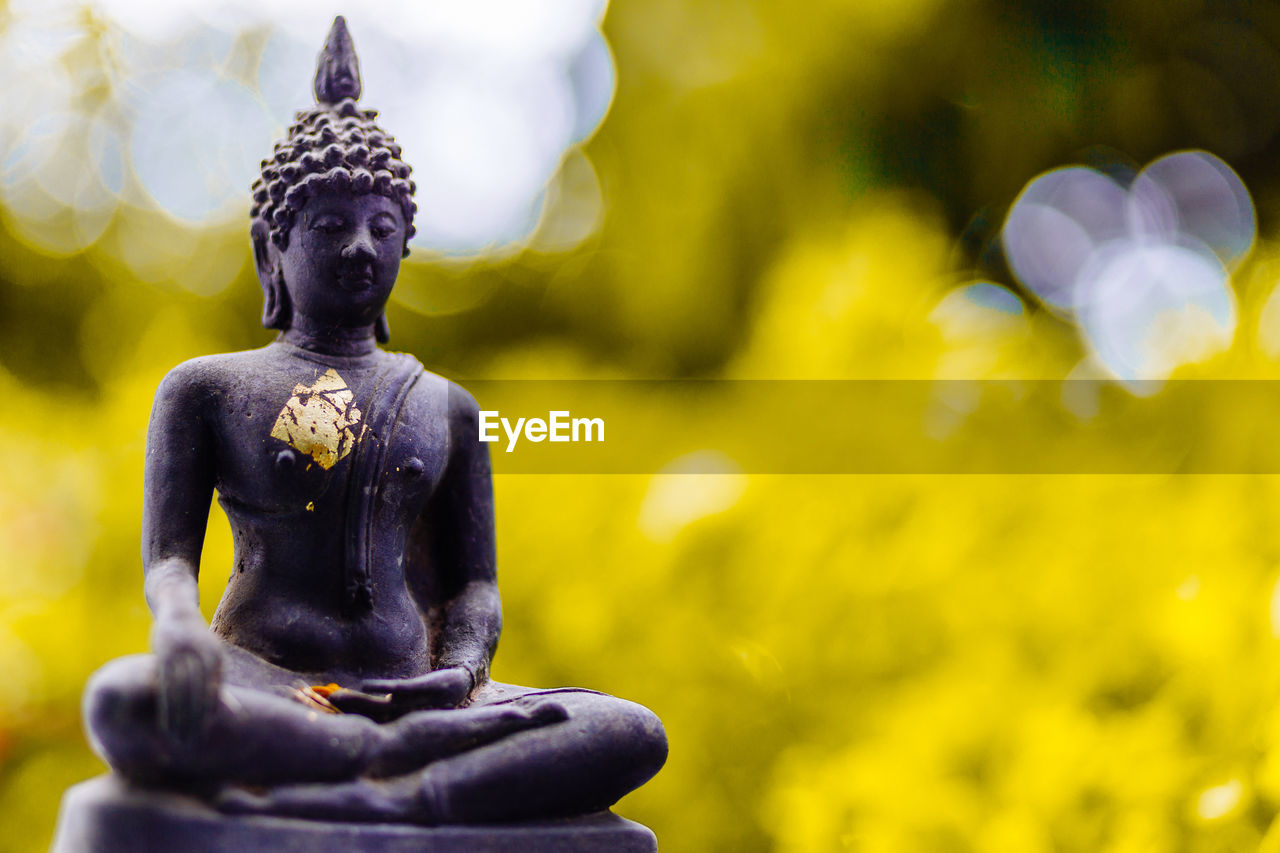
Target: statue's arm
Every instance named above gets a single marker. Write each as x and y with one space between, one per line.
457 575
177 488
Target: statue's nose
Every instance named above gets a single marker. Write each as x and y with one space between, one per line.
360 248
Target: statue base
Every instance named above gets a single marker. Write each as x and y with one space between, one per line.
105 815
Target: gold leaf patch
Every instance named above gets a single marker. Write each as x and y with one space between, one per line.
320 420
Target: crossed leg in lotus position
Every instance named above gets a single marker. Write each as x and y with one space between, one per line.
512 754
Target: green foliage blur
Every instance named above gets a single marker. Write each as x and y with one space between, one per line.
883 663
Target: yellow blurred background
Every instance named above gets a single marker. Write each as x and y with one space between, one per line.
879 663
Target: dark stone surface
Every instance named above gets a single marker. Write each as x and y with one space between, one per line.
104 816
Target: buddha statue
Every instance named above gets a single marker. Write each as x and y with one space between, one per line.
345 674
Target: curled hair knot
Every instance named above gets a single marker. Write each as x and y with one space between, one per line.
334 145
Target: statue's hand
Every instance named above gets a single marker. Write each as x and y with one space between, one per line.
190 672
443 688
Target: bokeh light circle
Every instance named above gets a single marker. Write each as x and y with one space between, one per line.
1054 225
1196 194
193 162
1146 308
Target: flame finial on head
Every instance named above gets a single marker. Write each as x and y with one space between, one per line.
337 68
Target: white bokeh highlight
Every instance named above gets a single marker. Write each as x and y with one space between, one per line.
485 97
1059 219
1148 308
1144 271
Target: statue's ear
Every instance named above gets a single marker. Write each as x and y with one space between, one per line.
266 257
276 310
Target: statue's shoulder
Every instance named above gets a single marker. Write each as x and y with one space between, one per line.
449 402
462 407
446 395
214 374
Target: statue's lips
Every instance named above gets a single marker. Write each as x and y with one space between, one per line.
355 280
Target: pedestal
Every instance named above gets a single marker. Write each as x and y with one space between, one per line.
103 815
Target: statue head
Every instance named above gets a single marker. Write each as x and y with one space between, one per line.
334 154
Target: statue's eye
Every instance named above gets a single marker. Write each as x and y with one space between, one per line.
383 227
328 224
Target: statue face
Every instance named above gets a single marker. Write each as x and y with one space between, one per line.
343 257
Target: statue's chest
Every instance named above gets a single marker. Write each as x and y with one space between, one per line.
311 438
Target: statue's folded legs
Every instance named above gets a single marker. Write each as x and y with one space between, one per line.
512 754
